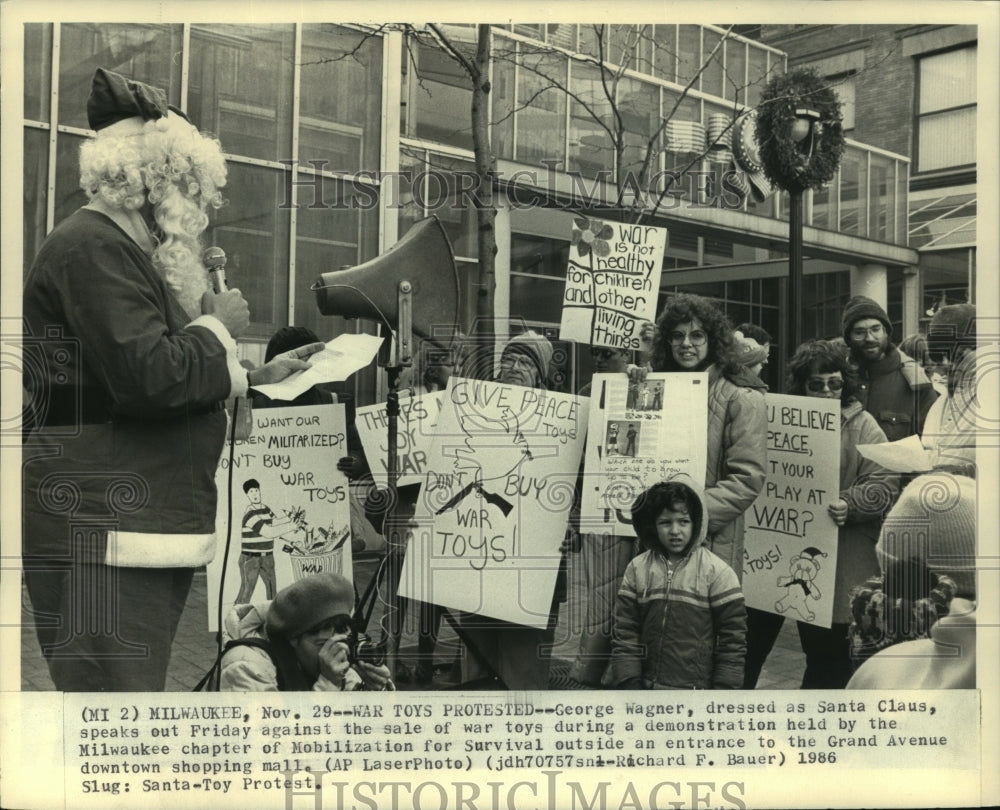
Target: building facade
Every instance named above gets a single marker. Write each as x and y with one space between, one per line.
911 89
338 138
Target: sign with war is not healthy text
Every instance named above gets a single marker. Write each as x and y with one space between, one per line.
495 502
790 544
289 503
612 282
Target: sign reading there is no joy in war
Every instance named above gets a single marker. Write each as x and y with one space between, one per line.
612 281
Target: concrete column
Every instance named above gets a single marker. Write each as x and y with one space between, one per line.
871 280
912 301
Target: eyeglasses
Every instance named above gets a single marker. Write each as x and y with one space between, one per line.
820 385
336 625
859 333
603 354
696 338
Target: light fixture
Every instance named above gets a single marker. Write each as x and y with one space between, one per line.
802 127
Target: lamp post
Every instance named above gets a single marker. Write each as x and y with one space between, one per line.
804 132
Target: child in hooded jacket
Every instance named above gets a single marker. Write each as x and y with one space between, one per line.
680 618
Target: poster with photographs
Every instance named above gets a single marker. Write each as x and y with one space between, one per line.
289 504
640 432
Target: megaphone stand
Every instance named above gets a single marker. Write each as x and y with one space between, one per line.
396 355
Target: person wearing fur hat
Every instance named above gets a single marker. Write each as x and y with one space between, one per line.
680 620
932 527
301 640
891 386
137 357
949 434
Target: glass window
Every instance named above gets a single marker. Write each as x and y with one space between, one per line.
36 177
341 98
853 192
69 195
844 86
757 75
533 30
346 233
946 110
37 70
639 108
441 91
622 45
241 87
713 79
503 96
562 35
538 255
541 116
663 47
590 111
589 43
254 232
881 199
141 52
688 54
736 68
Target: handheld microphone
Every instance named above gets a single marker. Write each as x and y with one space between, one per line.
214 259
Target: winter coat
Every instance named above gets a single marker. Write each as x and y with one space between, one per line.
251 669
869 492
685 630
949 433
130 393
897 392
737 460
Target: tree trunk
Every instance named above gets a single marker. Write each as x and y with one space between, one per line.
485 165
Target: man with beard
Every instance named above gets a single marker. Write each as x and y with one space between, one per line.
892 387
133 358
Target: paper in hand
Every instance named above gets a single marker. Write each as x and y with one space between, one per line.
902 456
342 356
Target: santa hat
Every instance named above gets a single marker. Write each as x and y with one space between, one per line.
120 106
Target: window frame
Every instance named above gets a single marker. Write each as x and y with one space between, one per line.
918 116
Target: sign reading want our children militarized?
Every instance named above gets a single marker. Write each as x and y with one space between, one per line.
790 545
495 502
612 281
289 505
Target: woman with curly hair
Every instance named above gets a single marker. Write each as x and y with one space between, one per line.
694 335
821 369
135 358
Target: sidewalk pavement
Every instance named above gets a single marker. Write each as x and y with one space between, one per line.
194 648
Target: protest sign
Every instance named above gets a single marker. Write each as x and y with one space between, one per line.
790 543
415 429
495 501
640 433
289 505
612 281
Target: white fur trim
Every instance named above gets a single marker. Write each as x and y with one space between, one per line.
238 382
126 128
155 550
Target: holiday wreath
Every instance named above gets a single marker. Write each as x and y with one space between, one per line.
798 166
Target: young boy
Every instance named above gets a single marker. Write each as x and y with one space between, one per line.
680 620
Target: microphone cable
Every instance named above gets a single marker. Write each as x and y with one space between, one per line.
229 537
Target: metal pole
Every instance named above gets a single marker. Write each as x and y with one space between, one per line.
794 272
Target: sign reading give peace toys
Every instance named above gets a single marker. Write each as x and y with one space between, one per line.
612 281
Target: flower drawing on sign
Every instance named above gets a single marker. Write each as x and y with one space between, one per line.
592 235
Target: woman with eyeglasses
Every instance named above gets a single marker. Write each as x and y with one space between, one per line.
692 334
821 369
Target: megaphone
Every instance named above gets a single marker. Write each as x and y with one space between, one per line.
413 286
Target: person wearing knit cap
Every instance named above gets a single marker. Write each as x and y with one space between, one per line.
301 640
891 386
131 416
497 653
949 434
932 527
749 353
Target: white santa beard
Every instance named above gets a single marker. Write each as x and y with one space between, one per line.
188 281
